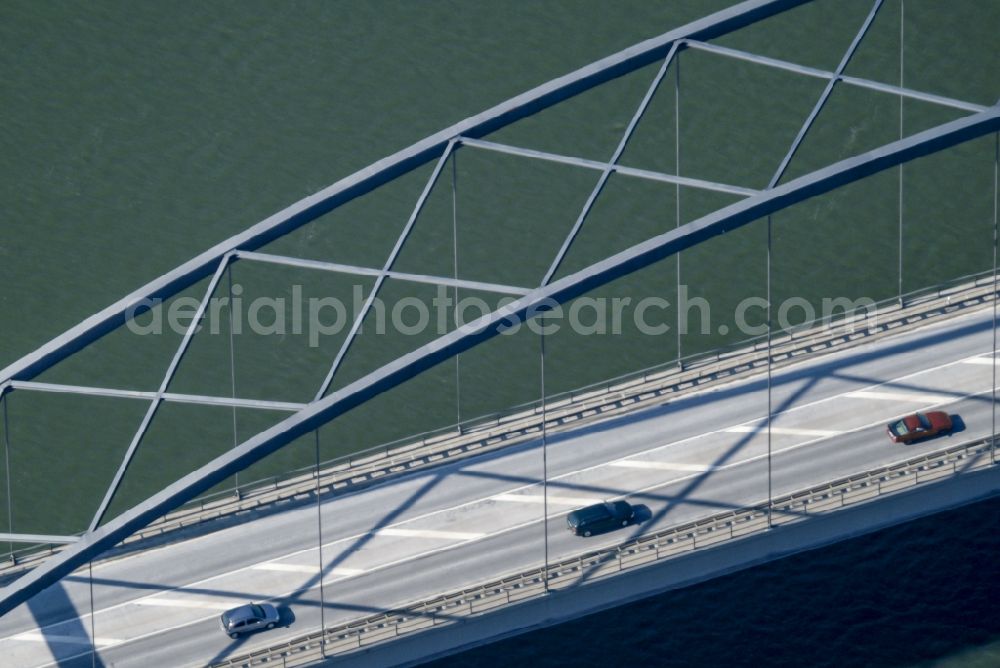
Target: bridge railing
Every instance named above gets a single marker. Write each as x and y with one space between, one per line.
563 411
572 408
832 324
456 607
956 288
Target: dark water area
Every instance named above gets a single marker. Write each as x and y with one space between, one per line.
925 593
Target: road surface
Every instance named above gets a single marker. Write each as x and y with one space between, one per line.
467 522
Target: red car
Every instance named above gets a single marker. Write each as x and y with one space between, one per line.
919 425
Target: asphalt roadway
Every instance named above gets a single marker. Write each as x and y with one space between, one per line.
464 523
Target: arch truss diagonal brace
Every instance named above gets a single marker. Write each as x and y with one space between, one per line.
824 74
826 94
356 325
606 173
174 397
155 403
368 271
542 299
37 538
601 166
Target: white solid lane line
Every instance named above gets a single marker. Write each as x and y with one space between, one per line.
663 466
791 431
38 636
922 397
429 533
552 498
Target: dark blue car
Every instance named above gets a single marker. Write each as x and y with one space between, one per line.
600 517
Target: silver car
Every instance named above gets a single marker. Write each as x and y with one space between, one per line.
249 618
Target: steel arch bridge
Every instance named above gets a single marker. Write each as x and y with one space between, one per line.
530 300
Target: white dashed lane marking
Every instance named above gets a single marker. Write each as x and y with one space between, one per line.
38 636
429 533
166 602
988 361
920 397
553 498
791 431
303 568
663 466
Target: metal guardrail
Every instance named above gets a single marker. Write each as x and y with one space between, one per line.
947 291
566 411
597 402
951 296
456 607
